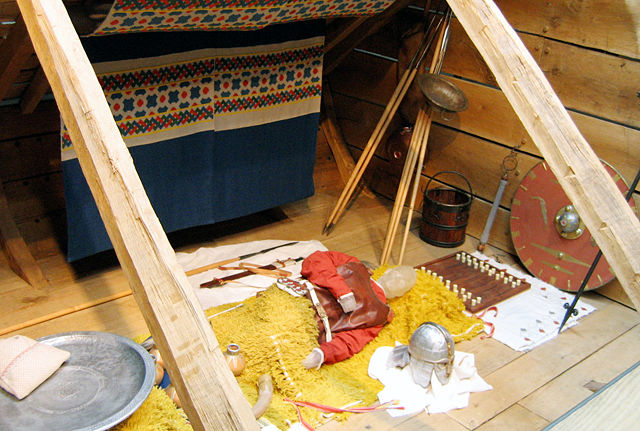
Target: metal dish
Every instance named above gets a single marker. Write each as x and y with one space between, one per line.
441 93
104 381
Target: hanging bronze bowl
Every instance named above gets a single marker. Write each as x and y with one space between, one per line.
441 93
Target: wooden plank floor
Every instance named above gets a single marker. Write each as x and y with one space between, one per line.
530 390
623 392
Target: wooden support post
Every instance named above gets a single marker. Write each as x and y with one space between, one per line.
34 92
14 53
343 32
356 34
208 390
333 135
20 258
600 204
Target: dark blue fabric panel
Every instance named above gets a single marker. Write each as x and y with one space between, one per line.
204 178
147 44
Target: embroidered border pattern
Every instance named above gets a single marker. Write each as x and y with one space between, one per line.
154 15
169 96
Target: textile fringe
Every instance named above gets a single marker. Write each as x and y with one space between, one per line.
276 331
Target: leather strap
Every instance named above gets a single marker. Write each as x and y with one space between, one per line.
320 310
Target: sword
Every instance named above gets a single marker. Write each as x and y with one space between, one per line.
234 259
509 164
254 270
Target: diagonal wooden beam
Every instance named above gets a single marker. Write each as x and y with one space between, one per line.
14 53
20 258
333 135
347 39
344 31
208 390
37 88
600 204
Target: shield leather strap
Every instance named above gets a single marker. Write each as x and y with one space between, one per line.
320 310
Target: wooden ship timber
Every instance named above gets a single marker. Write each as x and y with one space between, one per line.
588 51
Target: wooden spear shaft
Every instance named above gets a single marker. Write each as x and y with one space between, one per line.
436 66
383 123
64 312
208 390
370 148
419 139
416 185
405 180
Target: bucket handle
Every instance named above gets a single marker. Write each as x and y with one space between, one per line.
452 172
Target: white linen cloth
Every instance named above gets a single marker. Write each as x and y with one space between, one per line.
245 287
438 398
533 316
26 363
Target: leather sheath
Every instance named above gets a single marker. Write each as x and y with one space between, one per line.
370 310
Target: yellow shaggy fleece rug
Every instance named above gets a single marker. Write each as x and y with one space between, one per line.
276 331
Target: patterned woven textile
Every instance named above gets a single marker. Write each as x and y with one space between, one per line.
219 124
155 15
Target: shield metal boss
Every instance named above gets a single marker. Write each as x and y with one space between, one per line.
550 238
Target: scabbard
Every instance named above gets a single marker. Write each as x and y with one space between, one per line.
216 282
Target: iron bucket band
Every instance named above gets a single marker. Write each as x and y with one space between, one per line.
452 238
452 206
444 223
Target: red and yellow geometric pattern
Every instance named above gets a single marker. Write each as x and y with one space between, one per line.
210 89
173 15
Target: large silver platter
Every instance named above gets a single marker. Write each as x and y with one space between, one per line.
104 381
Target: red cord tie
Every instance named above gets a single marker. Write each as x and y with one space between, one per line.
328 409
489 324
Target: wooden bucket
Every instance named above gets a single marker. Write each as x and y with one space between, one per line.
445 214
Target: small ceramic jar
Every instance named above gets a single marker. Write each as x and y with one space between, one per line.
235 359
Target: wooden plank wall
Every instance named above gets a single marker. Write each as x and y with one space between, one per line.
29 84
32 175
9 14
30 168
589 51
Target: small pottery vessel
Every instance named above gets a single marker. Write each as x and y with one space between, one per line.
235 359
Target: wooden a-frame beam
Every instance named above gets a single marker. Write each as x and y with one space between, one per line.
37 88
14 53
600 204
18 255
160 286
208 390
333 135
350 37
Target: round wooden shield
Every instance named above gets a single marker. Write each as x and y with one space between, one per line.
548 235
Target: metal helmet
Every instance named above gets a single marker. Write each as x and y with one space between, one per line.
432 350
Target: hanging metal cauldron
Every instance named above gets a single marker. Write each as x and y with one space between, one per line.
445 214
